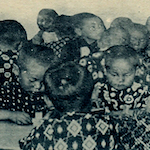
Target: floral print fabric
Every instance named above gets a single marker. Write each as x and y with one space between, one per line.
112 99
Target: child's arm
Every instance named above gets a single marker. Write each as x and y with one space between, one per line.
15 116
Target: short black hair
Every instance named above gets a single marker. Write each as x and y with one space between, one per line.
78 19
77 90
44 56
49 12
12 31
121 52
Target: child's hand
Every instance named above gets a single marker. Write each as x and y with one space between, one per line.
20 117
96 91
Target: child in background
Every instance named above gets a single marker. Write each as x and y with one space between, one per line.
139 38
123 22
113 36
12 35
89 29
21 99
72 126
120 95
147 24
45 22
65 32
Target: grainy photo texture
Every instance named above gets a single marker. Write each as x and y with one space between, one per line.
75 75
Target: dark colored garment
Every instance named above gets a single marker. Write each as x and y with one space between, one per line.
73 131
73 50
14 98
80 51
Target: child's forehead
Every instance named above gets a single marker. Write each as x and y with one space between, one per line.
91 20
124 63
137 34
44 16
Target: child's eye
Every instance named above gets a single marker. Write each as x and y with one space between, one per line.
113 74
142 40
92 28
32 80
128 74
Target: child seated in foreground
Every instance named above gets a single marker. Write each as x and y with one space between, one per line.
20 100
12 36
72 126
45 22
120 94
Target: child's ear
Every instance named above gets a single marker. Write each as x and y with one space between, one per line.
78 31
15 70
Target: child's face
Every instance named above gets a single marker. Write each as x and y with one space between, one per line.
111 39
31 79
92 29
45 22
121 74
138 40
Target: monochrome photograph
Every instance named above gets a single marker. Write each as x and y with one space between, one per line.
74 75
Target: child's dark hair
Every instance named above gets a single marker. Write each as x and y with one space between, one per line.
121 52
141 28
49 12
12 31
77 90
44 56
78 19
63 26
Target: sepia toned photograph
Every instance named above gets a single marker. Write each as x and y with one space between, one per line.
74 75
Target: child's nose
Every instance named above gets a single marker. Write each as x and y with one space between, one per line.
137 42
121 79
37 86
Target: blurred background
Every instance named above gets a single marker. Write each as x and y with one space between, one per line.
25 11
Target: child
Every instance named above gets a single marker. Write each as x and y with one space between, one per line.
12 35
123 22
21 99
113 36
45 21
139 38
65 32
120 94
75 127
89 29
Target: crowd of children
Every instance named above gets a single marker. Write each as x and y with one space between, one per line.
88 85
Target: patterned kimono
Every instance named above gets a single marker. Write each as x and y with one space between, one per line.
114 100
73 131
7 59
14 98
